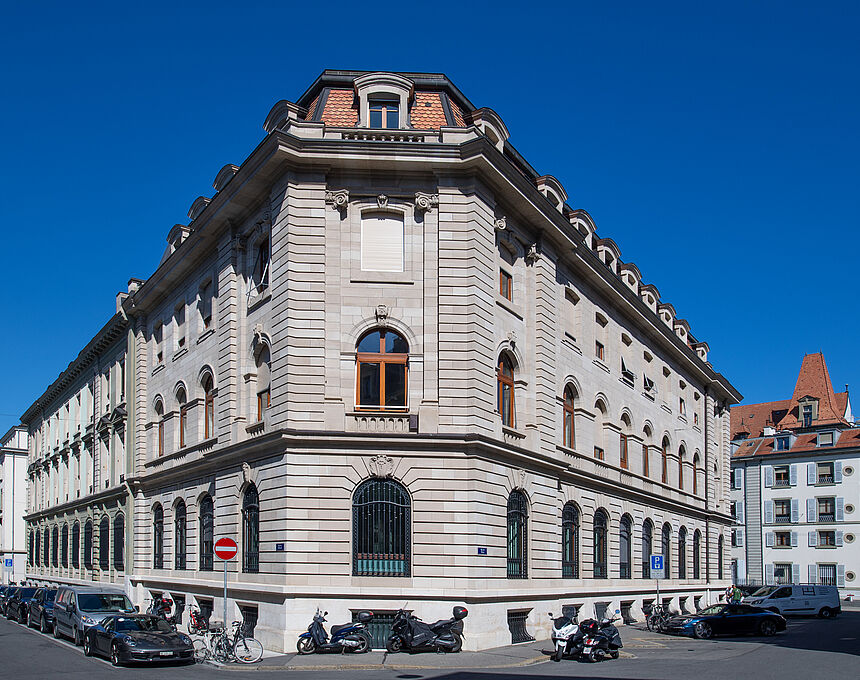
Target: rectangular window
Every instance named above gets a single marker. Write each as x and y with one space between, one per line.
782 443
158 336
827 574
598 350
381 242
807 415
826 509
624 451
782 573
781 476
179 324
645 460
626 374
827 539
682 406
598 453
261 266
825 439
506 285
384 115
783 539
183 425
264 401
570 325
206 305
782 511
824 473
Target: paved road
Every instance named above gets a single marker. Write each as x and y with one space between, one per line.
810 649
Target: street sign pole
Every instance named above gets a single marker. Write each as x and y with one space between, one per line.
657 570
225 594
225 549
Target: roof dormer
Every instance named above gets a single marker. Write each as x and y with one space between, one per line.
176 236
224 175
550 187
489 123
702 350
280 113
650 296
609 253
631 275
198 207
667 314
682 329
383 100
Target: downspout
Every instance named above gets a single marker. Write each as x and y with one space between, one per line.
707 497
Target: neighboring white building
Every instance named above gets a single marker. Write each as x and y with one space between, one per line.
796 487
13 505
390 360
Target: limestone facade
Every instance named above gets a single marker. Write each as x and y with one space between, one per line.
239 355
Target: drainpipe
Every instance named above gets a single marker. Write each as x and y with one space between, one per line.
707 497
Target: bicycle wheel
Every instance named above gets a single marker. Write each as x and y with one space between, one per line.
201 650
220 651
248 650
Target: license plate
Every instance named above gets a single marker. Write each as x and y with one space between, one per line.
165 653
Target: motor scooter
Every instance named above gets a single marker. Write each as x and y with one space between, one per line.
601 639
567 636
411 634
349 637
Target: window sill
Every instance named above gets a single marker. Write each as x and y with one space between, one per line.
570 341
625 381
601 365
209 331
259 300
180 353
511 432
506 304
395 278
184 451
666 408
256 428
827 547
649 395
682 417
158 369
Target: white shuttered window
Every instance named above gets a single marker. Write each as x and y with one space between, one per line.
381 242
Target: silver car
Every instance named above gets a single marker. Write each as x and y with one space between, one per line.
76 608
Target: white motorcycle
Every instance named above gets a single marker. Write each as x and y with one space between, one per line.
566 636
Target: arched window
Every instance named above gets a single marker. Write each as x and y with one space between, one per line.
64 546
625 547
518 549
382 358
208 406
647 547
159 414
666 545
104 543
720 558
599 429
76 545
88 544
682 553
158 537
664 460
682 455
263 361
697 549
207 533
179 535
251 530
36 549
505 386
695 474
47 548
30 558
569 425
55 547
570 541
381 532
600 545
119 542
646 442
181 401
624 441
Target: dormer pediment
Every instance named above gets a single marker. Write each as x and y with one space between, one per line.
491 125
197 207
630 275
667 314
224 175
280 113
376 89
650 296
550 187
609 253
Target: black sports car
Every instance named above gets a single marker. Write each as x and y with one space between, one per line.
726 619
137 638
41 610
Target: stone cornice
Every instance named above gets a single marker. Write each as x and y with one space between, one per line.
86 501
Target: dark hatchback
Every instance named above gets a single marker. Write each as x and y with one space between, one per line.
41 610
19 603
5 593
137 638
726 619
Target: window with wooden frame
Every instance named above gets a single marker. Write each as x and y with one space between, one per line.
664 454
382 365
569 428
183 416
645 466
599 352
623 438
695 474
506 285
681 455
159 413
505 398
384 114
208 407
262 358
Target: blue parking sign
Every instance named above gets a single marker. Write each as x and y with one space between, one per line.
657 562
8 563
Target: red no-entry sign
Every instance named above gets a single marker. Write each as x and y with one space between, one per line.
226 548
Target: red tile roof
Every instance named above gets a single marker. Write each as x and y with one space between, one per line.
459 119
804 443
426 112
312 108
341 109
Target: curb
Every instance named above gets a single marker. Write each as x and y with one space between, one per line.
380 666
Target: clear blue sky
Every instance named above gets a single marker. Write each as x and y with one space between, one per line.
717 145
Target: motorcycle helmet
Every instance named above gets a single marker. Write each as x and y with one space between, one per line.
460 613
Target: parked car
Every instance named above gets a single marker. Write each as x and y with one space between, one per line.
76 608
18 604
5 594
41 610
726 619
139 638
798 599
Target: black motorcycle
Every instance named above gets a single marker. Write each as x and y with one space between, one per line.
350 637
602 639
411 634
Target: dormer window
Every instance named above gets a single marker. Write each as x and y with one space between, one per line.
384 114
782 443
825 439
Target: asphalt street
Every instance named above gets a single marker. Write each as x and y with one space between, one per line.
810 648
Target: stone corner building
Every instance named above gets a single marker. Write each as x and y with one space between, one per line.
391 361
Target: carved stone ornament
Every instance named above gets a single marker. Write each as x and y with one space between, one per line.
381 313
512 338
521 478
246 473
500 224
425 202
532 253
382 201
339 199
382 466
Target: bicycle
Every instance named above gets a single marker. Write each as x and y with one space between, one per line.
217 645
657 618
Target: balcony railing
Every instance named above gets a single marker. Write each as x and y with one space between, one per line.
825 479
781 484
826 517
782 519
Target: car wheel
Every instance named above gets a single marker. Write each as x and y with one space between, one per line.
767 628
114 655
43 625
306 646
56 631
88 650
703 630
826 613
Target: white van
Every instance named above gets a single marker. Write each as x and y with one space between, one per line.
798 600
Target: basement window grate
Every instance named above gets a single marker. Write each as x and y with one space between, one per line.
379 627
600 610
249 619
517 626
626 616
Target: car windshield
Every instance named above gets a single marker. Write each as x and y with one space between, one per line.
145 624
104 602
764 592
50 595
27 592
712 610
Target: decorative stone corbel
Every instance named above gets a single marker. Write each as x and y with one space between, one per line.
533 253
382 314
339 199
500 224
425 202
382 201
512 338
382 466
246 473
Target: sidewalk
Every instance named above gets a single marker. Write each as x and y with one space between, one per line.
512 656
